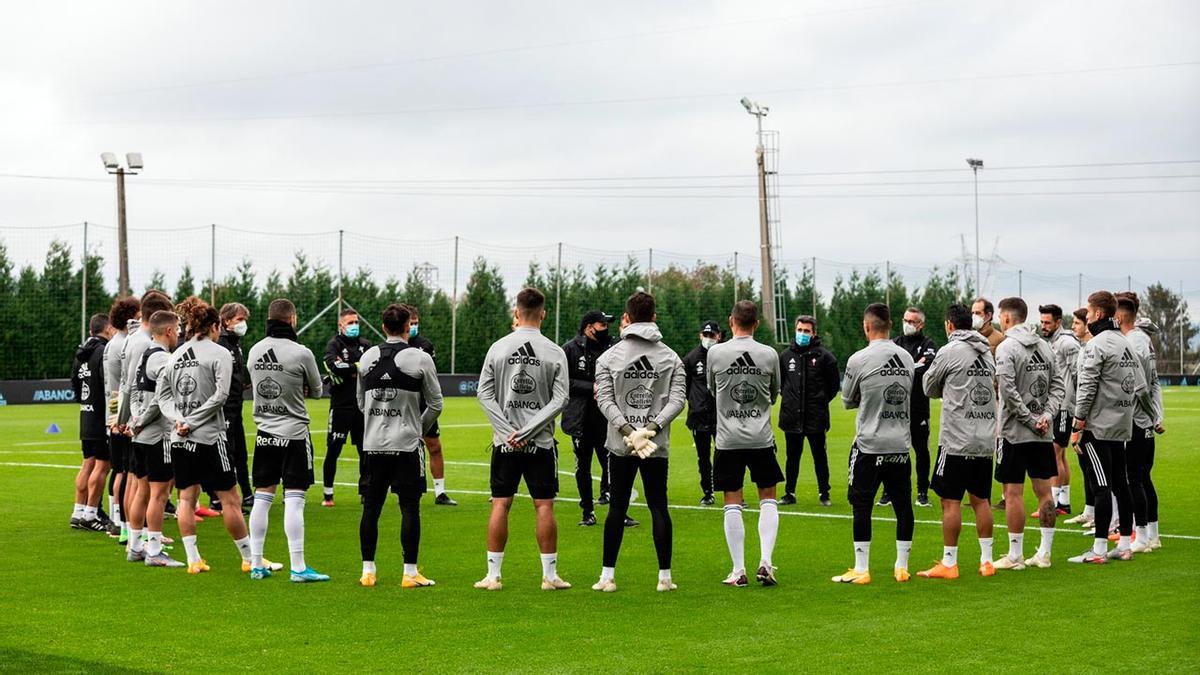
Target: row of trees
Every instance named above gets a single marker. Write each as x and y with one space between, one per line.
40 308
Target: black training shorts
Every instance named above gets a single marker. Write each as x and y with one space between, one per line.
956 475
1015 460
202 464
286 460
729 468
401 472
538 466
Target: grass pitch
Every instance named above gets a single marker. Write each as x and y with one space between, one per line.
71 603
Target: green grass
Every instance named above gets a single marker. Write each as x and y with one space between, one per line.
71 603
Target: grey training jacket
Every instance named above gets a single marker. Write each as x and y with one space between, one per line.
1110 381
145 416
743 376
640 380
963 375
280 372
878 381
1065 346
131 356
1148 413
1030 385
112 371
523 387
193 389
390 398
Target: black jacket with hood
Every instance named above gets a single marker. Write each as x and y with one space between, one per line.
582 418
810 381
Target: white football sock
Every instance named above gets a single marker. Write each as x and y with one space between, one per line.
1152 529
903 548
89 513
985 549
495 560
1100 545
1054 492
153 543
1089 510
243 547
1047 542
1064 495
439 486
260 516
1142 533
550 565
410 569
768 529
293 527
135 541
949 556
608 573
368 567
1123 543
78 512
189 545
862 556
1016 546
735 536
664 575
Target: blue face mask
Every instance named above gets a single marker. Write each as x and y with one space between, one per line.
803 339
352 330
412 331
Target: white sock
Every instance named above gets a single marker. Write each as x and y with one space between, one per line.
1089 511
439 486
903 548
664 575
985 549
328 493
189 545
293 527
260 516
243 547
153 543
735 536
1064 495
1116 515
949 556
410 569
1152 530
862 556
1100 545
368 567
114 511
89 513
607 573
78 512
1047 542
1054 493
1141 533
495 560
1016 546
768 529
135 541
550 565
1123 543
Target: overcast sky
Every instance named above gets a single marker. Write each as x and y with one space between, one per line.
333 96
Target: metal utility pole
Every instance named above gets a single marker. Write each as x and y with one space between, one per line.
764 229
83 327
1080 298
212 270
1181 328
558 295
1020 283
650 274
341 272
454 314
133 161
976 165
887 283
735 279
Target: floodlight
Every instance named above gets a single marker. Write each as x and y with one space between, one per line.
748 104
109 159
134 160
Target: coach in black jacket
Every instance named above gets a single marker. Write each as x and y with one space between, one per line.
810 381
922 349
702 407
581 419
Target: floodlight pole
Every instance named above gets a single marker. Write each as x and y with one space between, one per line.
122 237
764 230
976 165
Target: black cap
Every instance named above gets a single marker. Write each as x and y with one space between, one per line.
595 316
710 327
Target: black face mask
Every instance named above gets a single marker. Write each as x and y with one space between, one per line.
1098 327
602 336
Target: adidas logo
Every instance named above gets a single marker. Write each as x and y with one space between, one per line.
268 361
1127 360
385 376
524 355
743 365
640 370
187 360
894 368
84 371
980 368
1036 363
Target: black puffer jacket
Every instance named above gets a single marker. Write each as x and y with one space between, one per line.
582 417
237 381
810 382
702 407
922 350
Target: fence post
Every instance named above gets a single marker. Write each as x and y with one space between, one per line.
83 294
887 283
558 296
813 286
1181 329
212 270
735 279
341 272
1079 300
454 314
650 274
1020 283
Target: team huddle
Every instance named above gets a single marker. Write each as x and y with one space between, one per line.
160 389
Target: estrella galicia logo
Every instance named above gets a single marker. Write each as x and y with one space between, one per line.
791 365
85 391
187 385
639 397
895 394
523 383
383 394
981 395
269 388
1038 387
1127 384
743 392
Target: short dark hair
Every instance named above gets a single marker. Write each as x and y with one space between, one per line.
155 301
1105 302
347 312
232 310
915 310
395 318
1131 301
808 319
163 319
280 309
1054 311
1016 306
412 311
744 314
879 315
640 307
123 310
1080 314
987 306
959 316
529 301
97 324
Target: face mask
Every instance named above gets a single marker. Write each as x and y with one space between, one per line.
602 336
803 339
910 329
412 330
976 322
352 330
238 329
708 342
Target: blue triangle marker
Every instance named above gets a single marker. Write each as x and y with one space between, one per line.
53 429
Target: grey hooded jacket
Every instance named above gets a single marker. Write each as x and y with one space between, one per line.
1030 385
523 387
192 389
1065 346
743 376
390 397
1110 381
963 376
878 381
640 380
1149 411
282 372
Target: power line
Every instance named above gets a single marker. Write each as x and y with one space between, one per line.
646 99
